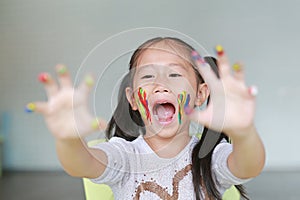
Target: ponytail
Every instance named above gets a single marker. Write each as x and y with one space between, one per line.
202 174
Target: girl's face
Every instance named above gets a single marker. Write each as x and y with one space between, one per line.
164 86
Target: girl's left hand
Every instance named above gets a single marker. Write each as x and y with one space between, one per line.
232 103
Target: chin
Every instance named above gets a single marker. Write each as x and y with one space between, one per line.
166 132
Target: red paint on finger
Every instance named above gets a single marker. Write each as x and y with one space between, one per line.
44 78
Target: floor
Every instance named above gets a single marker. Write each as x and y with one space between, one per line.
275 186
60 186
40 186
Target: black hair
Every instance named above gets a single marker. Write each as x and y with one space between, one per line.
128 124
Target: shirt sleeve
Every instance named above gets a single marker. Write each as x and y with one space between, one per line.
223 175
117 164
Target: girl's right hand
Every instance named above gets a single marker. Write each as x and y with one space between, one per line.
66 112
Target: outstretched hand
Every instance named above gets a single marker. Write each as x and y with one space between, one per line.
66 111
232 104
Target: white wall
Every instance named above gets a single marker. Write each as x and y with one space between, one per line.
36 35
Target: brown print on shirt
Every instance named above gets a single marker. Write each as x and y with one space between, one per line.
159 190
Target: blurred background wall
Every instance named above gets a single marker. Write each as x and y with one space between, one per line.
89 36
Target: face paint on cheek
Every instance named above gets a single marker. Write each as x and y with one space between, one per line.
183 104
143 104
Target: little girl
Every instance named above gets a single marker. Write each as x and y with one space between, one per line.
150 154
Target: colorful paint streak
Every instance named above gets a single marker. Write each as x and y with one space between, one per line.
143 104
183 104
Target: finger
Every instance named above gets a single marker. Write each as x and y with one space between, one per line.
204 69
253 91
39 107
211 117
86 85
49 84
238 71
197 116
223 62
212 136
99 124
213 64
63 76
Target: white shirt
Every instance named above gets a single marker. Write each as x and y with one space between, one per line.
135 171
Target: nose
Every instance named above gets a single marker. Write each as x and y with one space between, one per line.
161 89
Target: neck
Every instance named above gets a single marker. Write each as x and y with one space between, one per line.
168 147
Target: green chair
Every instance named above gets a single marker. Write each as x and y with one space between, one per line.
101 191
95 191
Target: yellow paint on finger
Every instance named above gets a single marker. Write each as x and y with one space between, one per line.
31 107
89 80
95 124
236 67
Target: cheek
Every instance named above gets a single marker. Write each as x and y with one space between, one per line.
185 83
145 85
183 99
142 102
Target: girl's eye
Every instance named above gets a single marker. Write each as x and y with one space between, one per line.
175 75
147 76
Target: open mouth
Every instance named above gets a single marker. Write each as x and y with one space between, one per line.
164 112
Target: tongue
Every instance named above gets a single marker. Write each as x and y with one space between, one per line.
165 111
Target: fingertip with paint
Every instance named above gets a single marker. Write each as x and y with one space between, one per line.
253 91
219 50
188 110
196 56
61 69
89 80
95 124
236 67
31 107
44 77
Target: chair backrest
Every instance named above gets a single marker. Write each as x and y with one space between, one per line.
101 191
97 191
